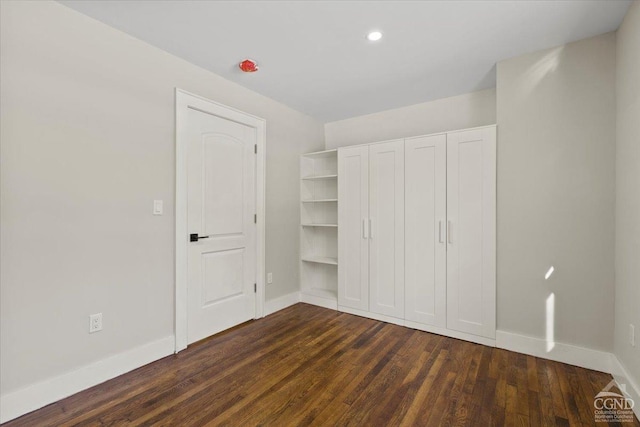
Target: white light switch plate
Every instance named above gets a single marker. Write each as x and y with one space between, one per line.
269 278
157 207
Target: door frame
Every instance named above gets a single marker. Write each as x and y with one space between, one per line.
183 101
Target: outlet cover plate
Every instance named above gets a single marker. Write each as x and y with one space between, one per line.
95 323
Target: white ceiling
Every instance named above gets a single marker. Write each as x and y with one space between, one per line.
314 57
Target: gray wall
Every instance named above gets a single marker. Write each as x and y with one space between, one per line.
87 145
628 193
458 112
556 178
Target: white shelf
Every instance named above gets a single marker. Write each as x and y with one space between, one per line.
319 201
321 260
309 178
318 228
322 154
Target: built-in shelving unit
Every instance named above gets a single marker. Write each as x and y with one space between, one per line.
319 228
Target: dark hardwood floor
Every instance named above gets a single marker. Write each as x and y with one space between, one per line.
307 365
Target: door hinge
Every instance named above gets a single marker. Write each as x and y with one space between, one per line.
255 288
255 148
255 218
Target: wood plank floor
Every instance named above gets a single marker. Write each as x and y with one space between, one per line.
306 365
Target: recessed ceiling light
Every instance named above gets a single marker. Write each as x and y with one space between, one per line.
374 36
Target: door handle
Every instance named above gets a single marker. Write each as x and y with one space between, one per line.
194 237
449 233
365 230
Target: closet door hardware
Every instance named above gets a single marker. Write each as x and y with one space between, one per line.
449 233
365 229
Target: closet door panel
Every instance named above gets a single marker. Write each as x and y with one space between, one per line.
386 237
425 229
471 217
353 213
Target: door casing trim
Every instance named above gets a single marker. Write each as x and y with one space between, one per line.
183 101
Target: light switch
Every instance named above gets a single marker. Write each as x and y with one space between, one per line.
157 207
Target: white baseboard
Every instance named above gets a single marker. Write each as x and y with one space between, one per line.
560 352
35 396
626 381
280 303
422 327
319 301
370 315
451 333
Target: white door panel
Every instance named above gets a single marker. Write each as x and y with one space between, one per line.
471 203
223 161
353 211
386 234
221 208
222 275
425 229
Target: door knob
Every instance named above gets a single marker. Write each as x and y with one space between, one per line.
194 237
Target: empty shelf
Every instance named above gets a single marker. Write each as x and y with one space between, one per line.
319 200
322 154
319 177
319 225
321 260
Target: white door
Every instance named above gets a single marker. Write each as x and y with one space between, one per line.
425 229
353 229
471 251
221 207
386 228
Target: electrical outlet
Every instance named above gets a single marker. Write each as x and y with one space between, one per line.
95 323
632 335
269 278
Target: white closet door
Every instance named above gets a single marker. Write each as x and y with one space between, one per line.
425 230
386 235
471 251
353 227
